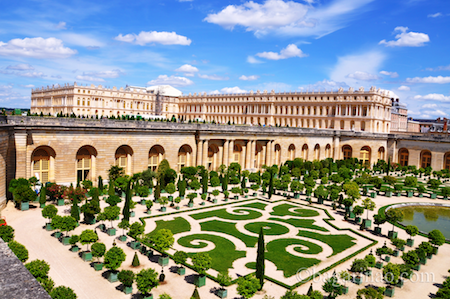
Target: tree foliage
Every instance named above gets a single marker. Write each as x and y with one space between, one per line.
6 233
114 257
63 292
146 280
247 286
19 250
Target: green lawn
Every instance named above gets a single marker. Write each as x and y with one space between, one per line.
256 205
283 210
177 225
223 255
301 223
230 229
222 213
339 243
269 228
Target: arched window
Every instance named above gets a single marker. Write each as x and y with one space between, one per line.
41 165
291 151
317 152
237 150
403 157
277 154
381 153
364 155
155 156
425 159
447 161
84 163
347 152
328 151
305 152
184 156
123 157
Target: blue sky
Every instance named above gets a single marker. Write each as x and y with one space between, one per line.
230 46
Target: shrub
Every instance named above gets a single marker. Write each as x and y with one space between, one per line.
146 280
47 283
62 292
38 268
6 233
19 250
126 277
114 258
248 286
98 250
135 262
370 259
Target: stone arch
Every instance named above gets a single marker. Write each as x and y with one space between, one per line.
184 156
425 158
213 156
43 164
403 157
305 152
291 152
277 154
347 152
123 157
381 153
364 155
86 163
317 152
328 151
155 156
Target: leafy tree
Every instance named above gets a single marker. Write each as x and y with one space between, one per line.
68 223
63 292
88 236
163 200
135 262
6 233
180 257
181 187
398 243
247 286
113 200
410 181
19 250
201 262
224 279
42 196
391 273
170 188
111 213
136 229
436 237
379 219
368 205
24 193
98 250
162 240
149 204
260 267
165 296
126 277
114 257
74 240
49 211
411 258
56 222
38 268
75 210
115 172
146 280
412 230
124 225
147 177
370 259
394 216
294 295
332 287
359 266
370 293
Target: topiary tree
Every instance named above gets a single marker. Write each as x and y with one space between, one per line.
49 211
67 224
124 225
146 280
6 233
114 257
180 257
42 197
162 240
126 277
412 230
436 238
398 243
19 250
411 258
224 279
136 229
48 284
38 268
195 295
247 286
260 267
201 262
359 266
370 293
332 287
135 262
87 237
368 205
165 296
111 213
98 250
394 216
62 292
371 260
391 273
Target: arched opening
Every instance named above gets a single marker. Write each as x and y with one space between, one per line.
123 158
328 151
364 156
363 125
291 152
85 163
447 161
41 163
317 152
305 152
213 151
184 156
277 154
347 152
259 156
381 153
237 151
155 156
403 157
425 159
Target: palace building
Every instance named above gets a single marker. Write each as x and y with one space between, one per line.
253 129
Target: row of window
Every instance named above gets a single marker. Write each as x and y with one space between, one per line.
425 158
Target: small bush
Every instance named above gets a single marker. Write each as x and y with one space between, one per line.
19 250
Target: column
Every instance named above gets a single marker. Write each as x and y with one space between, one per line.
199 152
226 150
243 161
220 158
336 152
264 155
253 154
230 152
269 153
394 154
205 153
248 154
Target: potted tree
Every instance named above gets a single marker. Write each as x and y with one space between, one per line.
391 273
358 211
412 231
254 187
56 224
126 277
436 238
398 189
87 237
23 194
111 214
177 201
180 258
226 194
368 205
191 197
149 205
236 191
345 276
411 258
201 262
146 280
379 219
295 188
124 225
49 212
163 201
73 241
42 198
114 257
359 266
399 245
162 240
68 223
170 188
393 216
98 251
224 279
136 229
101 217
215 193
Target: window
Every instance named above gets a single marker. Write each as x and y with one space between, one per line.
447 161
365 156
347 152
403 157
425 160
381 153
317 152
237 149
155 156
291 151
83 164
305 152
121 158
41 163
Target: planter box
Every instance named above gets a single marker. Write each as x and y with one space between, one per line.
163 261
163 209
417 267
236 197
149 253
399 283
127 290
135 244
143 201
42 205
409 194
111 231
202 203
87 256
181 270
222 293
296 195
90 220
378 230
379 265
420 195
112 276
429 256
423 261
320 201
389 292
48 227
398 194
65 241
177 208
368 273
57 235
433 195
200 280
402 248
255 194
75 248
60 202
123 238
24 206
102 227
410 242
358 280
392 234
373 194
351 215
98 266
435 250
367 223
358 220
388 193
150 296
149 212
190 204
170 198
344 289
396 253
387 258
143 250
132 213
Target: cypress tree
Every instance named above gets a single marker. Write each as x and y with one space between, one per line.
389 165
111 190
195 295
260 258
271 184
75 210
225 183
100 183
42 195
126 207
135 262
204 181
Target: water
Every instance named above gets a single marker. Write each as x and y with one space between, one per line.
428 218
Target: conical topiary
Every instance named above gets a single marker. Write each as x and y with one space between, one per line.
135 262
195 295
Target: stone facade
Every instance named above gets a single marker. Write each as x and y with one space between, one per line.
65 150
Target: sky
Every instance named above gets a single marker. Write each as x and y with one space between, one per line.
230 47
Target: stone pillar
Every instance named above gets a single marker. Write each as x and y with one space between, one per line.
248 150
199 152
336 150
226 151
230 152
253 154
394 154
20 139
269 153
220 157
205 153
264 155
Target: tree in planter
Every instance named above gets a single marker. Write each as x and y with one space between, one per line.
63 292
436 237
56 222
195 184
358 210
371 293
87 237
379 219
332 287
124 225
68 223
149 205
113 200
24 193
248 286
90 209
111 213
224 279
371 260
368 205
181 185
49 211
114 257
236 190
359 266
135 262
398 188
191 197
126 206
421 189
295 186
42 197
98 250
75 210
394 216
170 188
391 273
412 231
6 233
136 229
411 258
215 192
204 181
74 240
201 262
226 194
162 240
126 277
180 257
214 181
204 196
163 201
177 200
19 250
146 280
398 243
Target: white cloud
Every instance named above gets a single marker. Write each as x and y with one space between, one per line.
390 74
439 68
83 40
436 112
29 86
430 79
89 78
31 74
232 90
187 69
105 74
435 15
253 60
404 88
433 97
363 76
213 77
249 78
429 106
289 52
61 25
288 17
172 80
146 37
324 85
20 67
37 47
407 39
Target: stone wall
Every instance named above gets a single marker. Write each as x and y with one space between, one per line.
4 142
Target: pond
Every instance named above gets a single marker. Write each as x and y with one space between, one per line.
427 218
